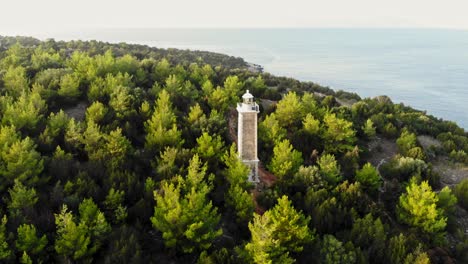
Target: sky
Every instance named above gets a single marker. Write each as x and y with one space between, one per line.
34 16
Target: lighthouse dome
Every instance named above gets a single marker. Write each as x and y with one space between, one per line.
247 95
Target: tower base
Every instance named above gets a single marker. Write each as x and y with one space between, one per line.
253 174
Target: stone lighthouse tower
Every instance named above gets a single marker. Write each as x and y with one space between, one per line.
247 134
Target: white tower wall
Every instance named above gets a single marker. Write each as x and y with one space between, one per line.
247 134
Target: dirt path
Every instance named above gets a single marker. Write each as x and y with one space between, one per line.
381 150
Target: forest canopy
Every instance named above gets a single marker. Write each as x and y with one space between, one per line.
119 153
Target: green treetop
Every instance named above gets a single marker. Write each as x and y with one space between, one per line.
72 240
289 110
369 177
339 135
236 172
69 87
162 128
96 112
4 248
21 199
286 160
20 161
15 81
210 148
184 214
333 251
461 191
117 148
29 241
121 101
369 129
233 86
238 197
418 208
270 131
329 169
311 125
407 144
77 241
278 233
25 112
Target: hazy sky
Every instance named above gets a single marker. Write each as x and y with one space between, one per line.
29 16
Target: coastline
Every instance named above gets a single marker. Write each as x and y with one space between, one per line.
439 103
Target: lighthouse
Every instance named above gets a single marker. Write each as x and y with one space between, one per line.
247 134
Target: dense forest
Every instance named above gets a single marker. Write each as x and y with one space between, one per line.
118 153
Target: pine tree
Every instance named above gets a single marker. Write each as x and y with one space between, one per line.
121 101
72 240
311 125
232 86
25 258
369 177
418 208
370 234
4 248
197 120
209 148
237 172
93 142
114 203
286 160
406 141
187 219
22 199
339 135
289 110
21 161
238 197
270 130
96 112
333 251
15 80
69 87
29 241
241 203
417 257
369 129
329 169
218 99
74 135
461 192
25 112
397 250
80 239
117 148
162 129
278 233
446 201
162 70
95 222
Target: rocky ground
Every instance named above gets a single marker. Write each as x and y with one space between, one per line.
382 150
450 175
78 111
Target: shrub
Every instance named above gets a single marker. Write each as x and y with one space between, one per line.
461 191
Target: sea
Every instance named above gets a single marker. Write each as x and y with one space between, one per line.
426 69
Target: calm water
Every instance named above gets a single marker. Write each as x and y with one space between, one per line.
426 69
